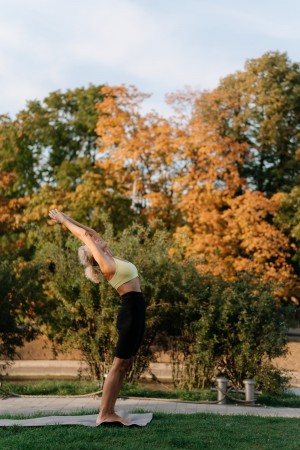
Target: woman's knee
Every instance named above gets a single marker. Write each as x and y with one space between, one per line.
122 365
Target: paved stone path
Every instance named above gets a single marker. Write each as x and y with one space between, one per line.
28 406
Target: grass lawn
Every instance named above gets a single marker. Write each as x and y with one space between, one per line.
63 387
165 432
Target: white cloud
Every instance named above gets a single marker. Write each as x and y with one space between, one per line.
148 47
124 36
159 46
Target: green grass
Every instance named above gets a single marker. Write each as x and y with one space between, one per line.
51 387
194 395
282 400
62 387
165 432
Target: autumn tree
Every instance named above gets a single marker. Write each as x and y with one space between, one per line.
60 136
229 225
138 150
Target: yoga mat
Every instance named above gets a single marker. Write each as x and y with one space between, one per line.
140 420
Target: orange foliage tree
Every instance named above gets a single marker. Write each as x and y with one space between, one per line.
139 151
189 171
229 226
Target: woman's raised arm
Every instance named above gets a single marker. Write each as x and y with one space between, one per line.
61 218
90 230
99 248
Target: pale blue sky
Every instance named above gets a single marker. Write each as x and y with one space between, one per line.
158 45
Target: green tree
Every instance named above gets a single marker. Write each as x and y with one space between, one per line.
260 106
47 140
289 220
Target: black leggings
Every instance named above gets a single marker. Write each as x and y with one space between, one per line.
130 324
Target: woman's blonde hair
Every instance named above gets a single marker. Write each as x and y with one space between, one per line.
92 270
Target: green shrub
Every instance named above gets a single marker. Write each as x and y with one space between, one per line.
240 329
82 315
210 326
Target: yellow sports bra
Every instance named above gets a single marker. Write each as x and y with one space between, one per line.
125 271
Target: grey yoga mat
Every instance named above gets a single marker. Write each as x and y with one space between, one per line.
140 420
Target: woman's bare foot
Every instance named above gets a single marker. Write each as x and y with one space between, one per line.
113 417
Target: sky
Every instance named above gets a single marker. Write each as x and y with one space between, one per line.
160 46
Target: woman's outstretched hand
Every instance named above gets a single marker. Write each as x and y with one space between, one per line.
56 215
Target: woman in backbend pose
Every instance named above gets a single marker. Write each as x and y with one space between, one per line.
123 276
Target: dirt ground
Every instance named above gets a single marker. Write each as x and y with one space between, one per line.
291 362
42 349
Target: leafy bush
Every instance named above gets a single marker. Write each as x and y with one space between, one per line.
240 329
82 315
210 326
